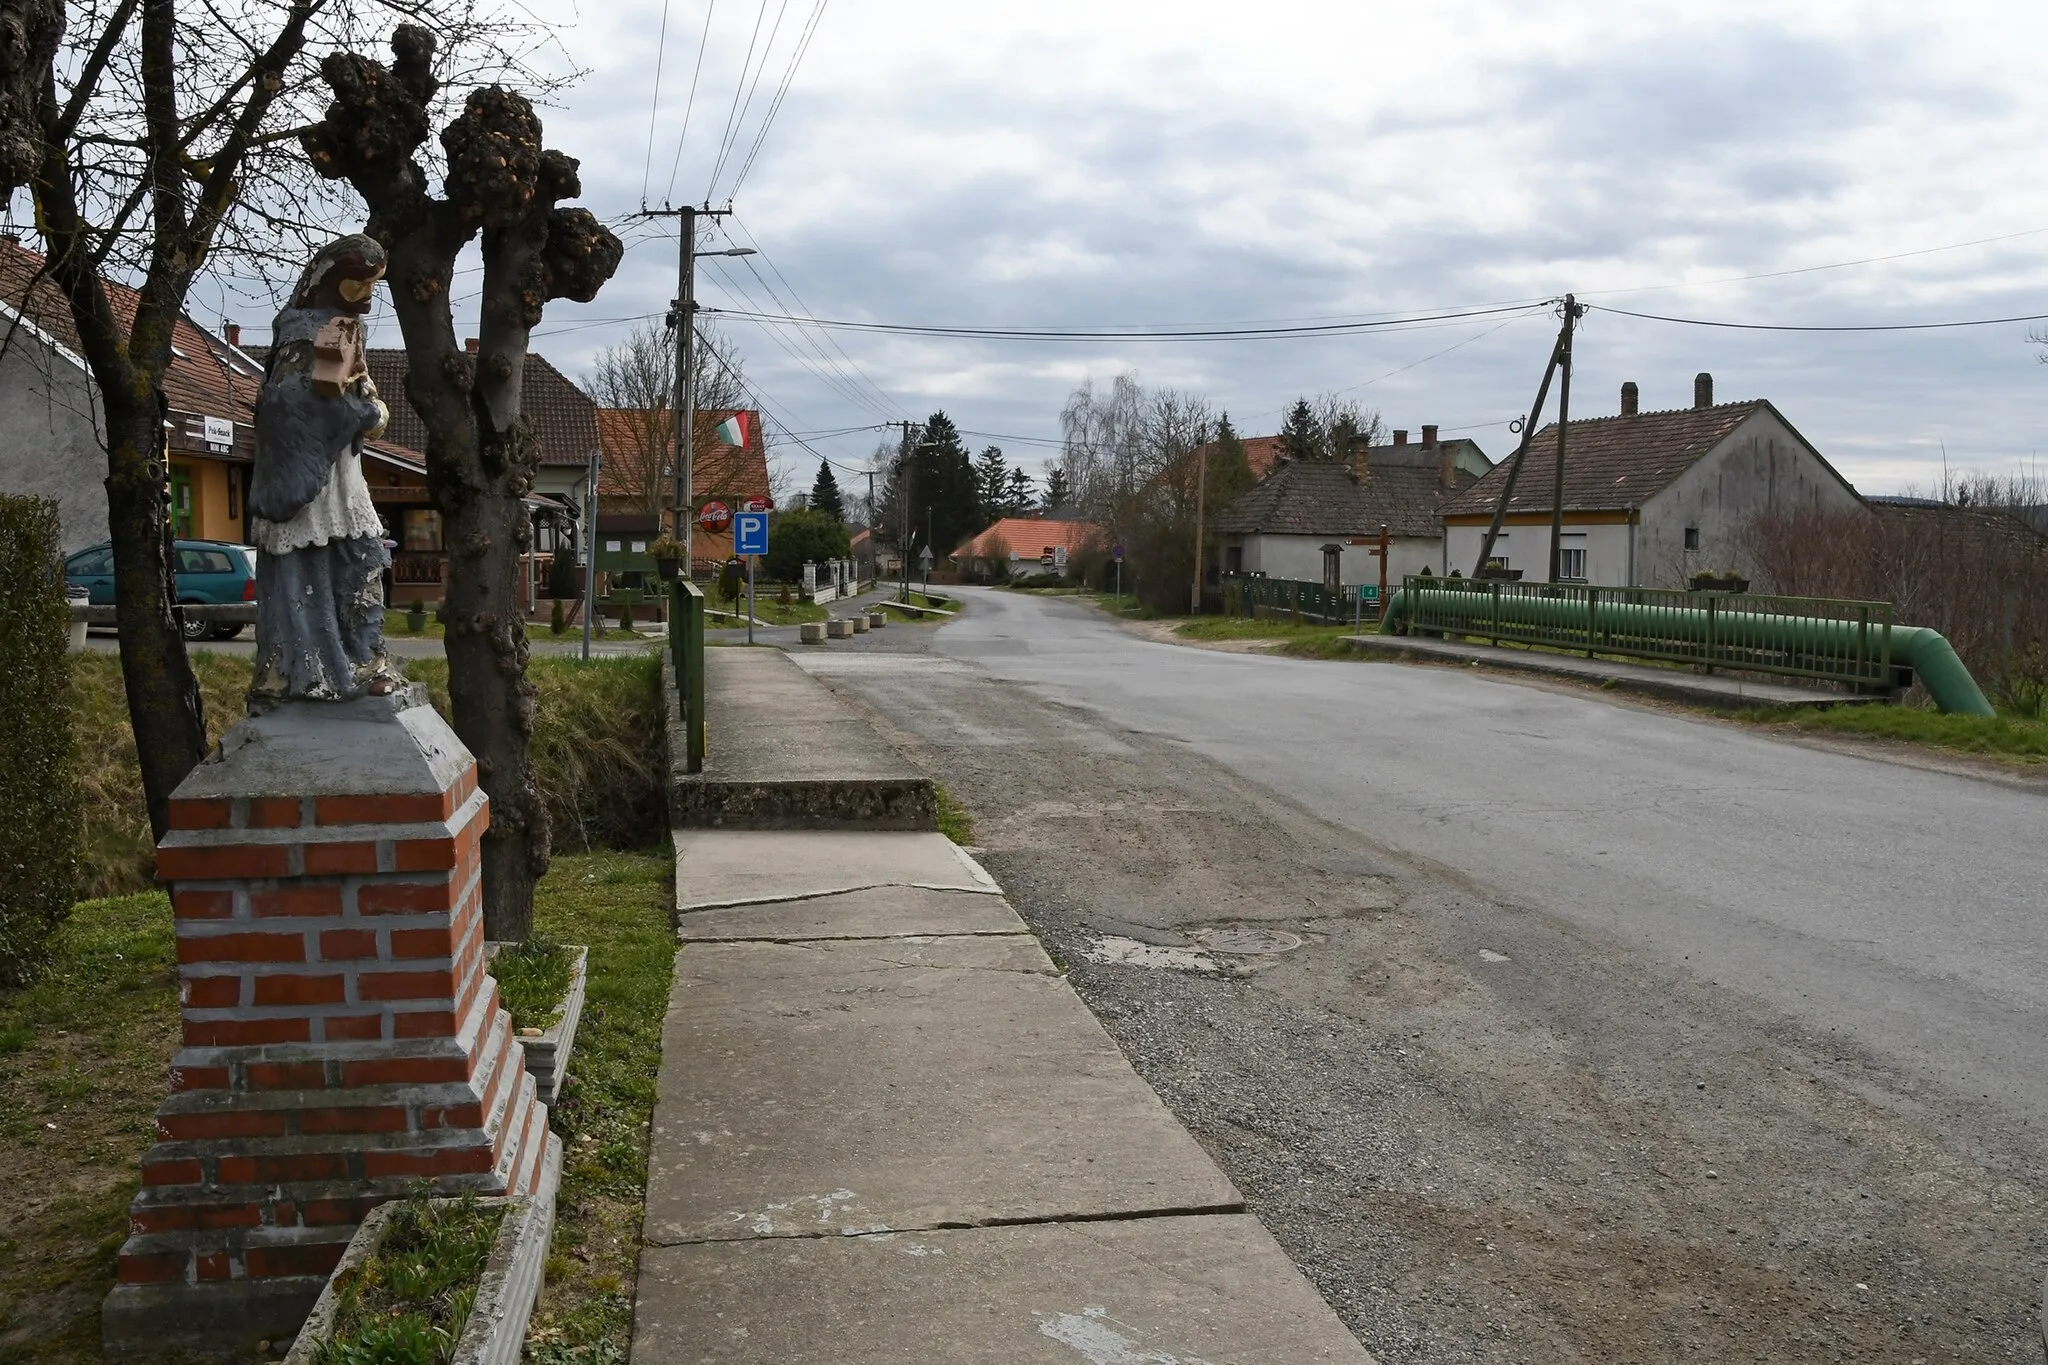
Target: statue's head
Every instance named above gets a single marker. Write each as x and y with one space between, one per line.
343 275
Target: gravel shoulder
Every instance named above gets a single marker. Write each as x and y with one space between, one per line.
1483 1132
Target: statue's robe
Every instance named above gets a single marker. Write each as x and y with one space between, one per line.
320 544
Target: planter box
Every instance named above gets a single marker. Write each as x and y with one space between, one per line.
547 1057
1714 583
496 1331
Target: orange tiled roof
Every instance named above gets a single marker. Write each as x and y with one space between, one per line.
718 469
1029 536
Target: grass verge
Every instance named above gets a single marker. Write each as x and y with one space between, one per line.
84 1058
2003 737
954 821
621 904
1298 638
84 1054
596 747
397 626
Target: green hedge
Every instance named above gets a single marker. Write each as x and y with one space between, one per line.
39 815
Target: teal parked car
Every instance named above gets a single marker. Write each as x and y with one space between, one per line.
215 571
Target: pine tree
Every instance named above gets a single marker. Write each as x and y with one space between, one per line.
945 508
825 493
1056 489
1301 436
992 483
1020 496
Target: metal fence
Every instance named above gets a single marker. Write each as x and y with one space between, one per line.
1292 599
1839 641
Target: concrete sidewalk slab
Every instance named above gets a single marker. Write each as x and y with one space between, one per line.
833 1087
718 867
881 912
1199 1291
787 753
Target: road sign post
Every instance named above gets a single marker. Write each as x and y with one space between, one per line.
1117 553
750 538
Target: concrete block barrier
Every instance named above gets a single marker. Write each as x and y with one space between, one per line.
811 633
860 623
878 619
839 628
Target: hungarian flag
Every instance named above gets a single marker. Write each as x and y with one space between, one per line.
733 430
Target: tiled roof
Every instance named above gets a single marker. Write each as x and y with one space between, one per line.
718 470
1028 536
1610 463
1313 498
204 376
564 418
1927 518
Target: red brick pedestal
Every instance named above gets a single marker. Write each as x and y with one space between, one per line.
342 1039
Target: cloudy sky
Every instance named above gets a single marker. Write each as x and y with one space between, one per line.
1094 163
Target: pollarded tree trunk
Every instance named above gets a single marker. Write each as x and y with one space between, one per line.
164 706
481 456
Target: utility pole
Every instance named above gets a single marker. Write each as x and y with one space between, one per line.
1515 461
1564 424
903 495
1201 480
682 320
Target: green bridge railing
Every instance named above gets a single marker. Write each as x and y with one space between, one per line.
1836 641
686 653
1294 599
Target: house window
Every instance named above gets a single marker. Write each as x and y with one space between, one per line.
1692 537
1233 559
422 529
1571 563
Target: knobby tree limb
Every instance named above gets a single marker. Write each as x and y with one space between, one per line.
502 184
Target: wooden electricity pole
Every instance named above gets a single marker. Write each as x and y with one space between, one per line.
1564 425
1558 353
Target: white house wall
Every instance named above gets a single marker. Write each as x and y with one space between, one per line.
1528 548
1759 466
49 437
1301 557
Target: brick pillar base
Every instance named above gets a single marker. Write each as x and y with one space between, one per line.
342 1039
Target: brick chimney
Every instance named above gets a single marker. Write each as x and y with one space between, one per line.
1628 399
1428 434
234 331
1401 437
1703 390
470 345
1446 466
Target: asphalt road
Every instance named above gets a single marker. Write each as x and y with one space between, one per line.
1536 1025
1904 908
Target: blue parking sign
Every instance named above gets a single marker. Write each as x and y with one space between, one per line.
750 533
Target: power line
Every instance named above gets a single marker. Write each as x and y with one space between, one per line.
741 122
654 105
738 89
775 106
1839 327
805 309
690 104
838 383
1165 334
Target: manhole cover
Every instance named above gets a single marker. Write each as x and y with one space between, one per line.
1248 942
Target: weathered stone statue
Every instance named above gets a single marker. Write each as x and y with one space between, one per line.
321 553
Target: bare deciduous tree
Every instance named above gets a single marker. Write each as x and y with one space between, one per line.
502 184
155 138
638 377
